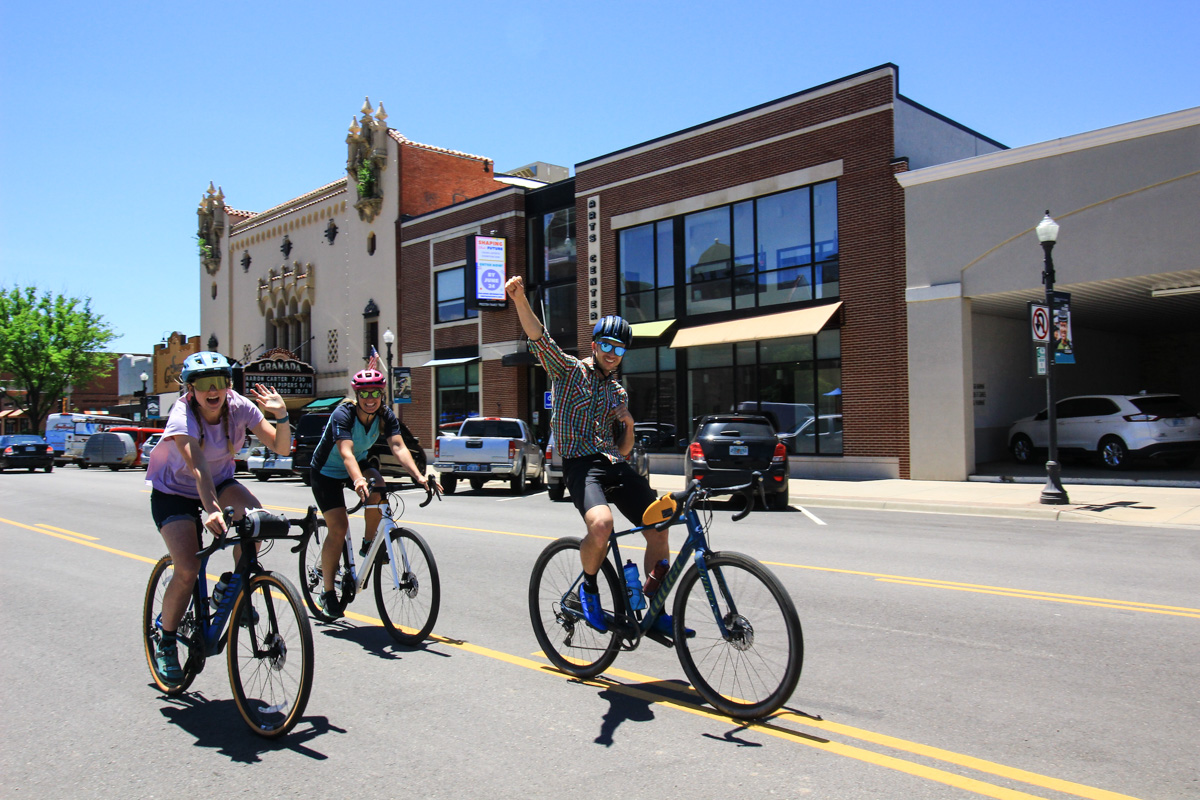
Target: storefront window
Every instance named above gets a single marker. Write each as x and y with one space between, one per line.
457 391
649 377
558 239
647 272
708 265
450 296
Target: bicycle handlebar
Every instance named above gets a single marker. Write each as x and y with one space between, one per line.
431 491
687 496
259 523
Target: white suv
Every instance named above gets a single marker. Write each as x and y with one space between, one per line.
1117 428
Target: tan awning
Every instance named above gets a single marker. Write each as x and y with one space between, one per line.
651 329
802 322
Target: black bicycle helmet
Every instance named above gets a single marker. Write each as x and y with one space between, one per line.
613 327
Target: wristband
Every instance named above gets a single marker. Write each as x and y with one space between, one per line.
281 420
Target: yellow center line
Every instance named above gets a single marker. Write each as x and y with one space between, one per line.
73 533
769 726
1117 604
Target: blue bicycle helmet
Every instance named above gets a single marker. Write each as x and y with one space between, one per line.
204 363
613 327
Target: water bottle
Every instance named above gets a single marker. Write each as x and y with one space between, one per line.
654 579
637 601
226 590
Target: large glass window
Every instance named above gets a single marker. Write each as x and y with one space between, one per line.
649 377
450 296
708 261
558 243
647 272
457 391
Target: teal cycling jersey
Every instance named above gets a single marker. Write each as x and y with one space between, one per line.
344 424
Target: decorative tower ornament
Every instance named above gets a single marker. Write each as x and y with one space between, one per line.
211 228
366 158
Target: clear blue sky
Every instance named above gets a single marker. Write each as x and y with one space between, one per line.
115 116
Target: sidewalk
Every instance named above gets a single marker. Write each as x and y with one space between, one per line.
1158 506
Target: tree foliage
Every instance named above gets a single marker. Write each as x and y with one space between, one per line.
49 343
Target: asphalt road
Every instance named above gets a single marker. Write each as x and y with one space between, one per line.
945 657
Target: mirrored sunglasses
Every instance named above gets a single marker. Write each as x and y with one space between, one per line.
370 394
611 347
211 382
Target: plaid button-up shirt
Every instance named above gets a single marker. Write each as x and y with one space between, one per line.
585 402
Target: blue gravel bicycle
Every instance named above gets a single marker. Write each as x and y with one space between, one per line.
270 650
736 630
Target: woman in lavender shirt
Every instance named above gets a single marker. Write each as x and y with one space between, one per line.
191 475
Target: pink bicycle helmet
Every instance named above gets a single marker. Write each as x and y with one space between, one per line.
368 379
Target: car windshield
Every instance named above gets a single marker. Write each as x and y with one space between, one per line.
311 424
1167 405
744 429
491 428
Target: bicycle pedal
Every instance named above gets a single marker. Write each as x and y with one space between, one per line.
661 638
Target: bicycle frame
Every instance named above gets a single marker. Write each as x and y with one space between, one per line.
383 538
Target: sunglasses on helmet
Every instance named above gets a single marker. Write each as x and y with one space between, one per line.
210 382
611 347
370 394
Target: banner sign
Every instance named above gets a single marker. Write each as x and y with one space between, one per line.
486 272
402 385
1064 346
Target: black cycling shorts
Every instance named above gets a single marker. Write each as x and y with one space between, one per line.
328 491
594 480
166 507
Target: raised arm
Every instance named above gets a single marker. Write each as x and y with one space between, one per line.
529 321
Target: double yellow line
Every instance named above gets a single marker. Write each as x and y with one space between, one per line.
787 725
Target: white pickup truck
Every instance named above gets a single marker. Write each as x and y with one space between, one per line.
490 449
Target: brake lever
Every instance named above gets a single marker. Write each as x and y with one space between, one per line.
430 492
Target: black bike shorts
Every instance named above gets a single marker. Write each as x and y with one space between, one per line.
166 507
328 491
594 480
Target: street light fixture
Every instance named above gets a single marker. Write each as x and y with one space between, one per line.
1053 492
144 377
388 338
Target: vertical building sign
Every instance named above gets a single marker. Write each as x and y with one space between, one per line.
486 272
595 305
1064 341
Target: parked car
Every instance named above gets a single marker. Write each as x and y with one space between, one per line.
264 463
1116 429
655 435
821 434
109 449
487 449
555 487
240 459
26 451
140 435
727 448
148 445
304 441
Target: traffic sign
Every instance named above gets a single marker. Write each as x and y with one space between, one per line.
1039 322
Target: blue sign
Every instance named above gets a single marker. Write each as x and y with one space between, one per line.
548 400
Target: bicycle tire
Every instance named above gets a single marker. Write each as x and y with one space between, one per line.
410 610
160 576
571 644
311 583
753 672
269 687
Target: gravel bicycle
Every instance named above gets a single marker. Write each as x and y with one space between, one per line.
269 652
408 592
735 628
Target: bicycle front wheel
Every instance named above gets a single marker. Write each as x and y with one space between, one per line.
160 577
751 669
567 640
311 581
408 610
270 655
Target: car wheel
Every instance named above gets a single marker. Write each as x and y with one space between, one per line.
50 468
1022 449
555 490
113 467
517 484
262 476
1113 453
83 465
1179 461
778 502
449 484
477 483
537 480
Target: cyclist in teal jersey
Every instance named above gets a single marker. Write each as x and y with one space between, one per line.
338 462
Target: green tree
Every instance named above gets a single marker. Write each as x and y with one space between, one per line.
48 343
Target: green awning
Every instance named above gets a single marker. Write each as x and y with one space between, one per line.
323 402
651 330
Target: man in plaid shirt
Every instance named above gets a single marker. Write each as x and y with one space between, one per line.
587 401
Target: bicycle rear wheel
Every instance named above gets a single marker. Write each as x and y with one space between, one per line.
567 640
160 576
270 655
409 610
311 582
753 670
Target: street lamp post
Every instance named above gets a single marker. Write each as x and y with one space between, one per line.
144 377
388 338
1053 492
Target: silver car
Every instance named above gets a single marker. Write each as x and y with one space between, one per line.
1115 428
555 487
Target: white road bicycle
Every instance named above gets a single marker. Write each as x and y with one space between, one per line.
408 592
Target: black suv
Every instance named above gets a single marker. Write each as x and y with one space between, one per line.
308 433
727 448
